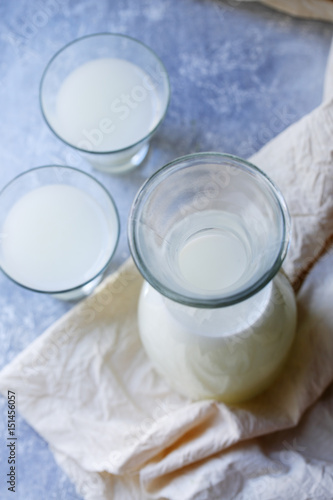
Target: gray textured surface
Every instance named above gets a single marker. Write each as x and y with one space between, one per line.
239 75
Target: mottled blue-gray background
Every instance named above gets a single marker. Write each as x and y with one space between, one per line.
239 74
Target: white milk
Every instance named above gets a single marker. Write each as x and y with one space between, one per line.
230 353
106 104
213 260
56 237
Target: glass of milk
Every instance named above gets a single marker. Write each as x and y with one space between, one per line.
59 228
105 95
217 317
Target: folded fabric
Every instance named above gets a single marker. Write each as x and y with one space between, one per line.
317 9
88 388
299 160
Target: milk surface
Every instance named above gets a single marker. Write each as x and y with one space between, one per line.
56 237
106 104
213 260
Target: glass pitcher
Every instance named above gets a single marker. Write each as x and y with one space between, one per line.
216 315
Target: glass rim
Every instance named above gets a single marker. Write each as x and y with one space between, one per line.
202 302
95 35
101 271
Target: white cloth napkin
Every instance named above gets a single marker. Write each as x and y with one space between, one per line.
118 430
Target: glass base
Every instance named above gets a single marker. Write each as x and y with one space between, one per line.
118 163
78 293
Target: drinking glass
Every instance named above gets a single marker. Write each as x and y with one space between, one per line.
119 113
59 230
